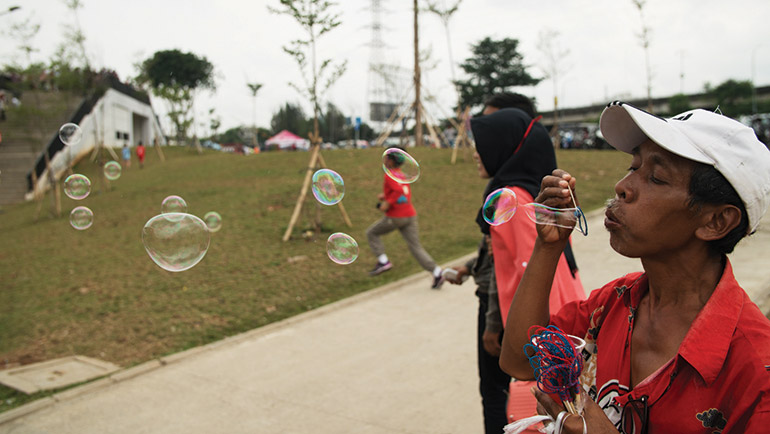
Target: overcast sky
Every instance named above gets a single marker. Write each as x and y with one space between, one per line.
706 40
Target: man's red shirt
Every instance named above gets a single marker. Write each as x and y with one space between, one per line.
399 196
718 382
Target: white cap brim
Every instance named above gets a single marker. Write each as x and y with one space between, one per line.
625 127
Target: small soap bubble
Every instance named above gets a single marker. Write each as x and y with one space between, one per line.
328 187
500 206
70 134
342 248
112 170
176 241
400 166
81 218
173 205
213 221
77 186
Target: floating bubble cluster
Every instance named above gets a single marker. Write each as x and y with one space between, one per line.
112 170
176 241
341 248
77 186
70 134
328 186
213 221
81 218
400 166
500 206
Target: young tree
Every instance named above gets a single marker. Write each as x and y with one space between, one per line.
733 97
254 88
175 77
316 18
333 123
678 103
548 45
495 66
644 40
290 117
24 32
445 15
214 122
74 38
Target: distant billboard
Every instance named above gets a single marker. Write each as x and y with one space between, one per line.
381 111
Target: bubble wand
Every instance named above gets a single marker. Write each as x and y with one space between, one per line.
557 363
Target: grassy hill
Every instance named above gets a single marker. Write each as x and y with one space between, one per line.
97 293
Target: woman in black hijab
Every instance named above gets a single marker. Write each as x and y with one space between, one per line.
514 151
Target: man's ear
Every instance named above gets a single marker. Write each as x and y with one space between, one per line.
717 221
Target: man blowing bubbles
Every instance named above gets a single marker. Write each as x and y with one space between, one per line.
678 347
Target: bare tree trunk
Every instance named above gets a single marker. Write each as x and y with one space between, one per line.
417 104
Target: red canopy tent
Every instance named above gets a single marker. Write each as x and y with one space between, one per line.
288 140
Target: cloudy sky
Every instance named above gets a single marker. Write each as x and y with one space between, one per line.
705 40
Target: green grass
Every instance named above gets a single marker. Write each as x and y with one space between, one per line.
97 293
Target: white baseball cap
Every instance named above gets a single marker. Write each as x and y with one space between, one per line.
702 136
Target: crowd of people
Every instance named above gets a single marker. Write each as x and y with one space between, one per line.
678 347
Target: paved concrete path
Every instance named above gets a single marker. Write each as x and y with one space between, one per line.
397 359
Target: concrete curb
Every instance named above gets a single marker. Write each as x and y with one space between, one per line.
152 365
26 409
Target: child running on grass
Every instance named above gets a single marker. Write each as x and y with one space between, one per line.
396 203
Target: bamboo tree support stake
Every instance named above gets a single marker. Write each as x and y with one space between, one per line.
99 147
105 183
392 122
54 187
462 135
303 192
69 161
390 126
431 129
160 151
35 195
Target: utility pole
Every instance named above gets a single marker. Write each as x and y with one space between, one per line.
417 102
753 84
681 72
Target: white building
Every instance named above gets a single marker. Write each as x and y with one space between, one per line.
122 115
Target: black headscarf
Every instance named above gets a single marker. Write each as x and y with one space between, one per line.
515 151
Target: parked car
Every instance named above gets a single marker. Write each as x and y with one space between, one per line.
211 145
760 123
582 136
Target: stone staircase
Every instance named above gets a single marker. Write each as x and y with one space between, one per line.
26 130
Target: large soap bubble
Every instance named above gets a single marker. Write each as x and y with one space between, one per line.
400 166
500 206
70 134
81 218
328 187
112 170
342 248
77 186
176 241
213 221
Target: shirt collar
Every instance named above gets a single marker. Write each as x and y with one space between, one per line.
707 342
